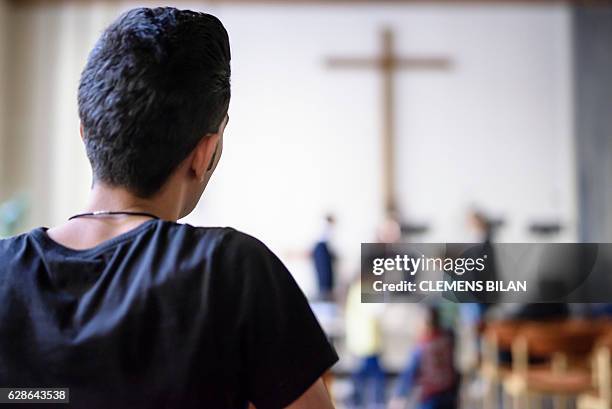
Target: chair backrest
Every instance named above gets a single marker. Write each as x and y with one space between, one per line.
498 336
570 338
503 332
520 355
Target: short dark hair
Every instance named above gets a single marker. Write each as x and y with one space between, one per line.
156 82
433 317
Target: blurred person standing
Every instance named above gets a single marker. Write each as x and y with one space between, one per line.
364 341
364 335
430 368
324 258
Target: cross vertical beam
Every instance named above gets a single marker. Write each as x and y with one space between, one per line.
387 63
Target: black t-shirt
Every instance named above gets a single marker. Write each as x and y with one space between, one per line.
164 316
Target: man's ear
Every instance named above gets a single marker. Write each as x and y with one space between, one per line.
214 157
81 132
204 155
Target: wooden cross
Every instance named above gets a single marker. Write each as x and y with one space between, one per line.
387 63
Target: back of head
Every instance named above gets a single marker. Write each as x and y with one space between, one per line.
156 82
433 318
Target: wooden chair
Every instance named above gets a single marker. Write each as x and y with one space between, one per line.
566 345
498 336
601 396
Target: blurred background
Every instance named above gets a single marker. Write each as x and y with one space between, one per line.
351 122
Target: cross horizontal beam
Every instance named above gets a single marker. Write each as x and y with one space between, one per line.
381 62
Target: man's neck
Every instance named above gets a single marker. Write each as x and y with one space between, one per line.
87 232
108 198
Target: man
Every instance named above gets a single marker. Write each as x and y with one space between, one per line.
123 305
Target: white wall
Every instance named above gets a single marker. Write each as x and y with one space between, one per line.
3 84
495 131
303 139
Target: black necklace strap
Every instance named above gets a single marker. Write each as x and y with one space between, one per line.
112 213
